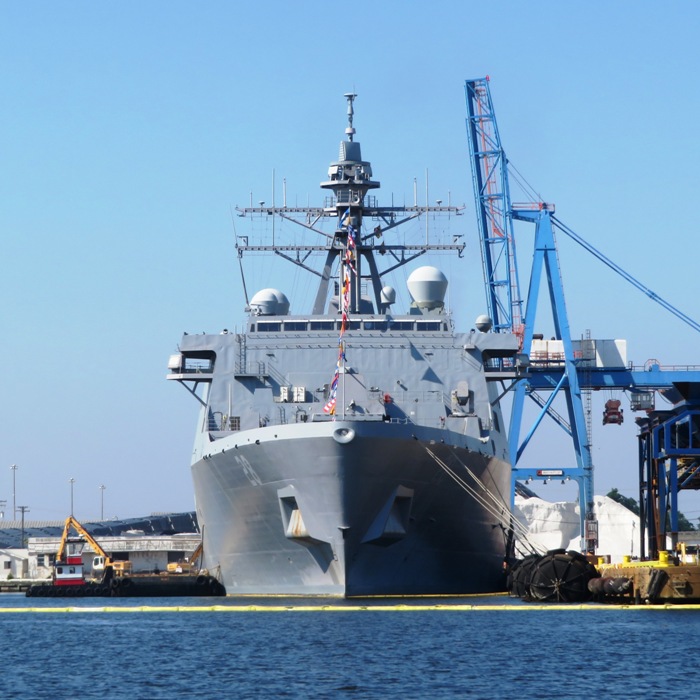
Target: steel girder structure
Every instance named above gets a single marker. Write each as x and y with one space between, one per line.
495 216
492 201
545 260
669 461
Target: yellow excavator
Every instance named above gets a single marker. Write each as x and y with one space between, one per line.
114 578
187 565
103 567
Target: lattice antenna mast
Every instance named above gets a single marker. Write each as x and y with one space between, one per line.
492 198
350 130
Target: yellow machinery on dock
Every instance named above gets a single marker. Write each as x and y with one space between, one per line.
673 577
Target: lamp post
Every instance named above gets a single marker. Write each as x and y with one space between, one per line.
102 501
14 468
71 481
23 510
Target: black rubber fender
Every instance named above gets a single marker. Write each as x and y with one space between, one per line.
657 581
562 577
521 574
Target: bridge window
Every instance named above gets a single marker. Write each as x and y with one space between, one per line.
429 326
198 362
375 325
295 325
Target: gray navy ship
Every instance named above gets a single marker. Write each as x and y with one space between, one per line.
353 449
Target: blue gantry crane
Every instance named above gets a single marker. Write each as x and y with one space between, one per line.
566 367
669 462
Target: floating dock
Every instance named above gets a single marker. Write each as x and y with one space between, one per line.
146 585
669 579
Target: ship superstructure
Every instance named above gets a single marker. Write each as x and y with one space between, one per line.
356 449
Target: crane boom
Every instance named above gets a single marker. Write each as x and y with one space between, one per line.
71 522
492 201
495 215
102 562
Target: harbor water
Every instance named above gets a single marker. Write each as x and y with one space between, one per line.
430 648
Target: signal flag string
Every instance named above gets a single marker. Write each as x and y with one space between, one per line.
349 261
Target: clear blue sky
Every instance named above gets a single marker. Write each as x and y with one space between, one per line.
129 129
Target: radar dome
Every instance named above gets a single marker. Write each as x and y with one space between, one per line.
388 295
427 286
269 302
483 323
282 302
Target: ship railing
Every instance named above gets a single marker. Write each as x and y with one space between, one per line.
653 365
557 359
348 197
223 423
546 359
196 367
251 369
500 364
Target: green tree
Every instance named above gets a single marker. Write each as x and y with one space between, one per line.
683 523
626 501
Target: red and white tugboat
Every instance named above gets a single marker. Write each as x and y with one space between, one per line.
68 571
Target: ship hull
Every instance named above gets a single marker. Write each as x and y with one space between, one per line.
352 508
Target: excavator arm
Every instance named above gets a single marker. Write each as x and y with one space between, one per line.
71 522
197 553
189 564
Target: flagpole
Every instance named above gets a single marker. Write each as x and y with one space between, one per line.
342 349
345 268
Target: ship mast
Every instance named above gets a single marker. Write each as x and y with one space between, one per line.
349 181
350 97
